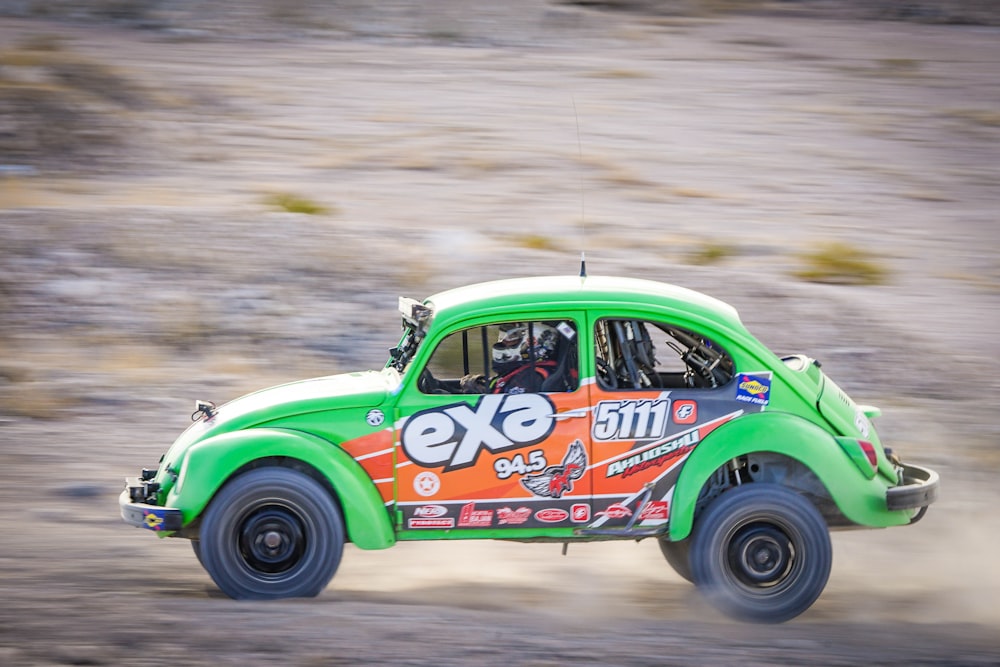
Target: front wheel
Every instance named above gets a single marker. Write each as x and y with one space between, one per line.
761 553
271 533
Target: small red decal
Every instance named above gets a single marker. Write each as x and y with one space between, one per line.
685 412
616 511
654 509
551 515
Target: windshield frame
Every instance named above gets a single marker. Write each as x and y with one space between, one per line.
417 317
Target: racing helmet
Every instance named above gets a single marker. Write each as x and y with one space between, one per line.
517 343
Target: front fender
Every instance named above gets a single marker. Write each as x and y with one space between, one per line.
209 464
861 500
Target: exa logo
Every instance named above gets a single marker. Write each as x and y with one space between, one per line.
454 435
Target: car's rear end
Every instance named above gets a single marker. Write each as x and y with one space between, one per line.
910 487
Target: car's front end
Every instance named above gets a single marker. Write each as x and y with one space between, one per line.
274 422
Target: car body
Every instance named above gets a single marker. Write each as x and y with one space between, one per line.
658 416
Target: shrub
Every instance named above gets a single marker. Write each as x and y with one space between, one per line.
296 204
840 263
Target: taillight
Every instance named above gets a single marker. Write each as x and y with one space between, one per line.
862 452
869 450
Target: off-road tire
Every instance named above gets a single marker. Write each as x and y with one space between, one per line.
196 548
761 553
678 555
271 533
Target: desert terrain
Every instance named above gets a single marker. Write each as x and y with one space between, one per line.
197 205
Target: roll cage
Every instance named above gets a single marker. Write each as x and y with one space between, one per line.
625 357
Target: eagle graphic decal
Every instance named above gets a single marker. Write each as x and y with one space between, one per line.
554 481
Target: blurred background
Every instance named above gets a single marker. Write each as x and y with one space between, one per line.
199 199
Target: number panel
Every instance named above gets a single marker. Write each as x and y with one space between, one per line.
630 419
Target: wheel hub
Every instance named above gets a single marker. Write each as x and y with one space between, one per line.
761 555
271 540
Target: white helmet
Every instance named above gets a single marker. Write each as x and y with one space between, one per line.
517 342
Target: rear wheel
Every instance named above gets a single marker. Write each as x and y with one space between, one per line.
678 556
271 533
761 553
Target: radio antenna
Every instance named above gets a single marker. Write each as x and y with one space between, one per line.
583 208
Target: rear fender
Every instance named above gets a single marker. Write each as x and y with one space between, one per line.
859 499
211 463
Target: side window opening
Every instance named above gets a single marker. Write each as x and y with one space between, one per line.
638 354
509 357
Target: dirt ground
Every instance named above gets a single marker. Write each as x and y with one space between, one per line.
154 250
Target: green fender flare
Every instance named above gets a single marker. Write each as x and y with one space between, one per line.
209 464
860 499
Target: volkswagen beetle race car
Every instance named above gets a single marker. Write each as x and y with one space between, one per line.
562 409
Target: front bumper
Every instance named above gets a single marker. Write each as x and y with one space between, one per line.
144 515
918 489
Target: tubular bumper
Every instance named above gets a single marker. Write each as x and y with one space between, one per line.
918 489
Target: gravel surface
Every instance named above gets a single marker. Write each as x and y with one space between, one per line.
147 259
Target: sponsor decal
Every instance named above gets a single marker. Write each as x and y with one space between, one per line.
685 412
516 464
508 517
551 515
375 417
580 512
454 435
616 511
556 480
152 520
567 330
417 522
426 484
654 510
654 456
470 517
430 511
630 420
754 389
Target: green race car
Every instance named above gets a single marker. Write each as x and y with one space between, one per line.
560 409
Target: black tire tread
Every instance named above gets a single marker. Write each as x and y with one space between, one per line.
678 556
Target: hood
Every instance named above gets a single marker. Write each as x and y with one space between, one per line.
348 390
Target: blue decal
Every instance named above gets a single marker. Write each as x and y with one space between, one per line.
754 389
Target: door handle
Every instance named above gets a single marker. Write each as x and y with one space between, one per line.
571 414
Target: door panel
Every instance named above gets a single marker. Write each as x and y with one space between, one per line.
640 441
492 460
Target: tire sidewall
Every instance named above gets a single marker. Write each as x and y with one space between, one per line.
678 556
299 494
761 504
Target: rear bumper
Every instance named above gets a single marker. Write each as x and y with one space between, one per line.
150 517
918 489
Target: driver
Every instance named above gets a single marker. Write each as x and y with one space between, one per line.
523 358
